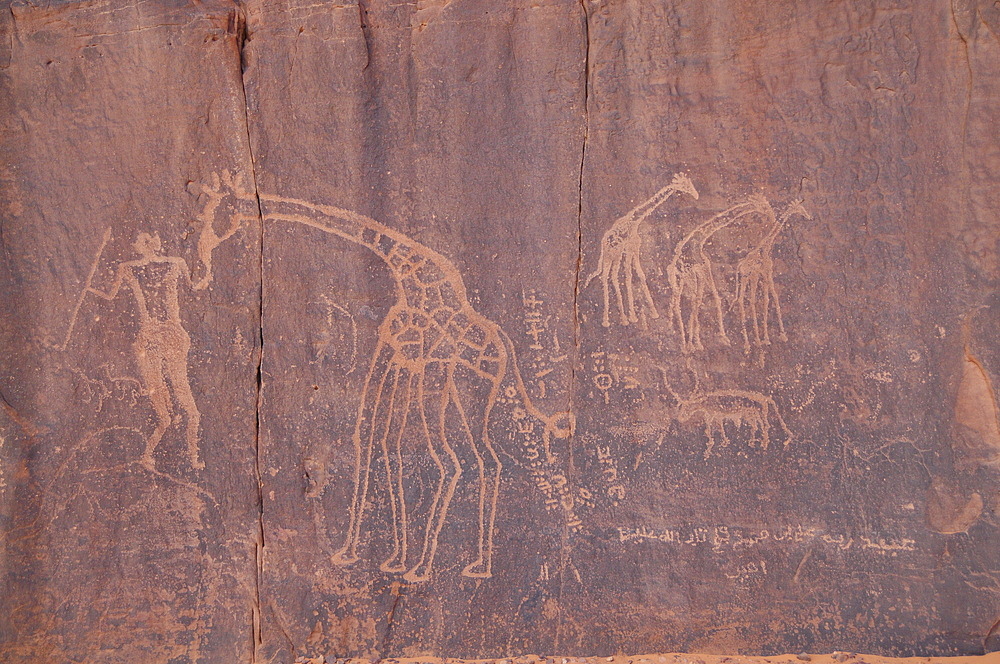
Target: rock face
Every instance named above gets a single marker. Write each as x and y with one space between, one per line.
475 329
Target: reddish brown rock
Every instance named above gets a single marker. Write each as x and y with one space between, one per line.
477 329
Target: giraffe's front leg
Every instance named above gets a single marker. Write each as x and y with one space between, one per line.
717 300
617 263
777 306
605 267
364 441
399 410
628 264
637 267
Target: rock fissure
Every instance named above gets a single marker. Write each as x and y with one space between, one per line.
243 37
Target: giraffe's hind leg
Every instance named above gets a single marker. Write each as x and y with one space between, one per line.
628 266
364 440
474 396
434 398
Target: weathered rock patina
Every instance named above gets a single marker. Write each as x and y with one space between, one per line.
476 329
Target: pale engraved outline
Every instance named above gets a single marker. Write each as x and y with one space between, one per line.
430 332
620 250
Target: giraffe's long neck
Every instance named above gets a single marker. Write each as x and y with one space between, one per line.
776 228
702 232
402 255
643 210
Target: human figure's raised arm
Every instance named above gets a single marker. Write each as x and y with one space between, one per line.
116 285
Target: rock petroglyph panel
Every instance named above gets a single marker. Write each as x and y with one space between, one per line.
400 330
162 345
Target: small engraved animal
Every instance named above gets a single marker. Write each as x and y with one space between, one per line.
620 248
739 409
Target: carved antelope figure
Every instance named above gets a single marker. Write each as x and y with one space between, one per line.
737 408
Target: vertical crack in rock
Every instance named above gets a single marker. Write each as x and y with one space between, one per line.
579 208
243 37
576 297
969 85
365 32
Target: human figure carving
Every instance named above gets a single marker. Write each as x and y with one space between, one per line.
435 357
690 274
162 344
620 248
755 289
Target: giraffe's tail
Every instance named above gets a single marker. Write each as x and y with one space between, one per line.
559 425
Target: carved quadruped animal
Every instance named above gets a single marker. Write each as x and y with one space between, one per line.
435 357
690 274
740 409
620 260
756 290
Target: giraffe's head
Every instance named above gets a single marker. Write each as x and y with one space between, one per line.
682 183
795 208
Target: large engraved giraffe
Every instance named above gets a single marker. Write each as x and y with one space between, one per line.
435 356
755 288
620 248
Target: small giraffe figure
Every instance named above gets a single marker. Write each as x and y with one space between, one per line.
435 358
620 248
689 274
755 288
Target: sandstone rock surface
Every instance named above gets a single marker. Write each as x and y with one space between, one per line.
474 329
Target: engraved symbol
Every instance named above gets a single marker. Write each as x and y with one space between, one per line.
436 360
620 262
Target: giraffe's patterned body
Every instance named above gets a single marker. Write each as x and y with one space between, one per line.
435 358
